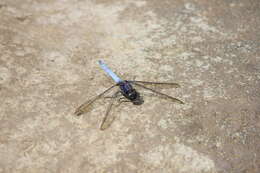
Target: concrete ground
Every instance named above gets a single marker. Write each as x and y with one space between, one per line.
48 67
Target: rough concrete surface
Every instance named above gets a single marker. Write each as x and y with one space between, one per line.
48 67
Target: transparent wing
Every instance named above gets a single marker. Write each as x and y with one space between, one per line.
85 107
159 93
157 84
109 117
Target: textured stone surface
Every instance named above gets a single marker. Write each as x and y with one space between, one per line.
48 66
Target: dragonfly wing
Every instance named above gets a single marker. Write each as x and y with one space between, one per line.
85 107
159 93
109 117
157 84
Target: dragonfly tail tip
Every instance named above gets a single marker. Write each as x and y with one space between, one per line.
100 62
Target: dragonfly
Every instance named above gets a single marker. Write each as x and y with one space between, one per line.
125 93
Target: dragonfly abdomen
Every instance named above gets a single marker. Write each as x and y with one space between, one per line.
109 72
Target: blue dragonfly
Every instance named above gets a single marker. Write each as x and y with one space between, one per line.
125 93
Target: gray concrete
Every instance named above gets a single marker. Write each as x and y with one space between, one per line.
48 67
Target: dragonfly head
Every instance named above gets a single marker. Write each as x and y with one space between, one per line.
136 98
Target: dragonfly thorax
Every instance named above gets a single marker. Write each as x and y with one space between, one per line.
130 93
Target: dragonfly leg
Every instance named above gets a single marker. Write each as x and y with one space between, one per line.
122 100
109 97
116 94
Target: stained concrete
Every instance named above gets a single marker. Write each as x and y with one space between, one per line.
48 67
